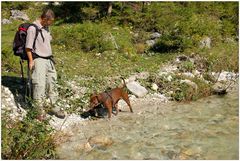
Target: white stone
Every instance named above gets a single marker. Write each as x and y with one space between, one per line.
137 89
169 78
154 87
188 74
194 85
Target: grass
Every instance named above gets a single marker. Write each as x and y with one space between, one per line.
109 65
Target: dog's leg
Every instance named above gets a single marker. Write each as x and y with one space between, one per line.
117 110
109 112
126 99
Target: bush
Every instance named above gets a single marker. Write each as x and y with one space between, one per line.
186 92
140 47
27 139
187 66
93 37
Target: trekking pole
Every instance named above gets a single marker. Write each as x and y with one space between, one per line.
28 95
22 74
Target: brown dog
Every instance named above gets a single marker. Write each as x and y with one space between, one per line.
110 99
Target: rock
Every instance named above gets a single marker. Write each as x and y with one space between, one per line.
6 21
56 3
87 147
169 78
154 87
63 124
197 73
137 89
131 78
224 76
205 42
218 118
155 35
161 97
45 3
150 43
9 104
100 141
219 89
17 14
188 74
168 69
181 58
142 75
190 153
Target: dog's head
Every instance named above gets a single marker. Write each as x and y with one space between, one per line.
94 100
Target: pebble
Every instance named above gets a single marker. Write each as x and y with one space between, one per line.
154 87
100 140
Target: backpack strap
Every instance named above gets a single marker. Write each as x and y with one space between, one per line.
36 35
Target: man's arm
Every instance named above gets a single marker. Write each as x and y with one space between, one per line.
30 58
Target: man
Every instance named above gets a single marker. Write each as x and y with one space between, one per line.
41 64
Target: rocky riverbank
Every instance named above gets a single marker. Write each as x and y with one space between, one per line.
141 85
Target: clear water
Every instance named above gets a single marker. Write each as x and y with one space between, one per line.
204 129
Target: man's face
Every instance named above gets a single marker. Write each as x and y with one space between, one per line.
47 22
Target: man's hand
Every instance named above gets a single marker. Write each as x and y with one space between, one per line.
31 65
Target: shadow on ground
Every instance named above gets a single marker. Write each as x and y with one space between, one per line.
18 88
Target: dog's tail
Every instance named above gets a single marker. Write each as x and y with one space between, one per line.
124 83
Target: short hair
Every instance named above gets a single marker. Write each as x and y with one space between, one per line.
48 14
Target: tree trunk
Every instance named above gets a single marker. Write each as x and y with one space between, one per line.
109 9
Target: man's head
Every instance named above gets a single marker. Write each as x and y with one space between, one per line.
47 17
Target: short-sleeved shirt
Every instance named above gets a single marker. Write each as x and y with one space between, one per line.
42 45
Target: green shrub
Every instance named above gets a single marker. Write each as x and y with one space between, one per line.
186 92
224 56
204 89
92 37
187 66
26 139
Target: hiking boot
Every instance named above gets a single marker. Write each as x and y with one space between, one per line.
58 113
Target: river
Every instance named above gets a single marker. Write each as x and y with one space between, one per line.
204 129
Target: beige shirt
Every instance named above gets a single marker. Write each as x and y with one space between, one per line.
43 46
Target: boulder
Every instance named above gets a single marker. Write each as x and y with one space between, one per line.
150 43
155 35
137 89
16 14
6 21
